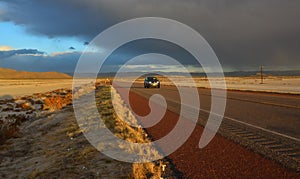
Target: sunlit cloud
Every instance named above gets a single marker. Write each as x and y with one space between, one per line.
53 54
5 48
20 52
34 55
162 68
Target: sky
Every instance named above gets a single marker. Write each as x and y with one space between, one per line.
50 35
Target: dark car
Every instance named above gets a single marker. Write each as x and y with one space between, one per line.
151 81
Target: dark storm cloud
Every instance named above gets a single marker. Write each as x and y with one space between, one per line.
64 62
244 34
9 53
144 46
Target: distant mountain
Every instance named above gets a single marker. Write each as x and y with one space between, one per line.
6 73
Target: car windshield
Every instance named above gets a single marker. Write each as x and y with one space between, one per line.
152 78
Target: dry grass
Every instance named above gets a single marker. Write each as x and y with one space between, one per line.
8 131
34 174
126 132
54 146
146 170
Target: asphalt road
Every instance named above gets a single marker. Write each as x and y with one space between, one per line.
224 158
276 113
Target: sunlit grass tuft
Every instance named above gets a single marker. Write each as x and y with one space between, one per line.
126 132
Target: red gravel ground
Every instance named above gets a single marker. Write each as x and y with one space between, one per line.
221 158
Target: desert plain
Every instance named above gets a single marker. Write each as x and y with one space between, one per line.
45 140
276 84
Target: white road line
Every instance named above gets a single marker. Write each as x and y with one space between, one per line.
257 127
241 122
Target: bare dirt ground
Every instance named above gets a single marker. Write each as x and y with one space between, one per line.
20 87
43 143
53 146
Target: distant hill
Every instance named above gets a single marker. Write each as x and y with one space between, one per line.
6 73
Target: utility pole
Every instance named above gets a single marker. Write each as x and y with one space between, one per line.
261 75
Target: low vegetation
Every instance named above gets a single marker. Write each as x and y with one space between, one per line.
53 145
126 132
